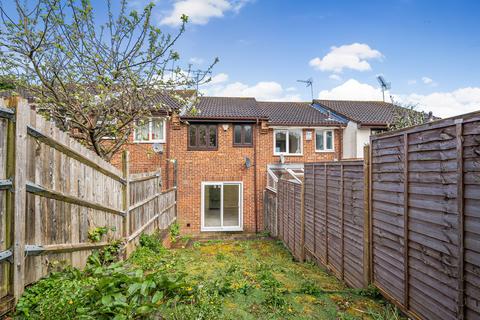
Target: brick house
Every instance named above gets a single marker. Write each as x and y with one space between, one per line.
228 153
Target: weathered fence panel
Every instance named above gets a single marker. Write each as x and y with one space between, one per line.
289 213
334 218
270 212
53 192
406 218
426 218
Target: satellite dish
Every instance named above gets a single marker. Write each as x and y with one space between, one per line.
157 148
248 163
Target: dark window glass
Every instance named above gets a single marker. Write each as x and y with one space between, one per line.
329 140
281 141
247 134
212 136
237 135
242 135
202 137
192 136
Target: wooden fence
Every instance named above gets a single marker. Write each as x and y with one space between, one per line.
289 216
406 218
334 218
53 191
426 218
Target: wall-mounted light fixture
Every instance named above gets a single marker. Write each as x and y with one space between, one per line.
225 127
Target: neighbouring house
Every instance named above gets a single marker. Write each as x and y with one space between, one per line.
229 153
362 118
234 148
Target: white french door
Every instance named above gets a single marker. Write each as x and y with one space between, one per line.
222 208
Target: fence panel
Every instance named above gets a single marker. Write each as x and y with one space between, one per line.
334 218
53 192
289 216
425 218
270 212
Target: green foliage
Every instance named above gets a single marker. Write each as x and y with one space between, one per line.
94 71
95 235
106 255
174 231
152 242
240 280
407 116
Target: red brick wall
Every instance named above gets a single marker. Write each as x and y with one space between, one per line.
225 164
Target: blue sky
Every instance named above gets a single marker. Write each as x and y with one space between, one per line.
428 49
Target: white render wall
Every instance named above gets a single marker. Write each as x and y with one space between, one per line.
354 139
363 138
350 140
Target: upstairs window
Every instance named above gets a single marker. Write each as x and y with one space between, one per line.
202 137
288 142
324 140
149 131
242 135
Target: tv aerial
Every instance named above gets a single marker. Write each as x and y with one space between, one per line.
384 84
309 83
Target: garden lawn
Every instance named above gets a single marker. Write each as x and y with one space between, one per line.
252 279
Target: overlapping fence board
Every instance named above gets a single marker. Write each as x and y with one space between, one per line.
270 212
70 191
425 218
407 218
334 217
289 215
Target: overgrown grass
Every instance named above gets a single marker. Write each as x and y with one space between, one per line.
255 279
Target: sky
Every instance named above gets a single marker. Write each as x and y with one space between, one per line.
429 50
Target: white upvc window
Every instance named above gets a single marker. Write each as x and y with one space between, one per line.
288 142
152 130
324 141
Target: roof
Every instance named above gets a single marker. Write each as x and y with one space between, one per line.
368 113
296 114
233 108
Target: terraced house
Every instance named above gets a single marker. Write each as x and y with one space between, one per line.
235 148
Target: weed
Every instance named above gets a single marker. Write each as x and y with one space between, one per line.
174 231
95 235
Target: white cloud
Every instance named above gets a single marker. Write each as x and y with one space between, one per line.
352 90
447 104
196 60
335 77
201 11
429 81
442 104
353 56
263 91
291 89
218 78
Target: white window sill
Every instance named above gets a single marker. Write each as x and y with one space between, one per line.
324 151
288 154
221 229
150 141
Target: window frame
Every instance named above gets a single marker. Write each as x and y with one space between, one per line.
287 143
324 131
243 144
150 132
207 137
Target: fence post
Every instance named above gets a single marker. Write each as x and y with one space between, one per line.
366 217
126 198
461 220
17 169
302 223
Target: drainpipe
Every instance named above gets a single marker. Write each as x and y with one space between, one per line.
167 167
255 177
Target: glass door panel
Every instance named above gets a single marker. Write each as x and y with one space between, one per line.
212 205
231 205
